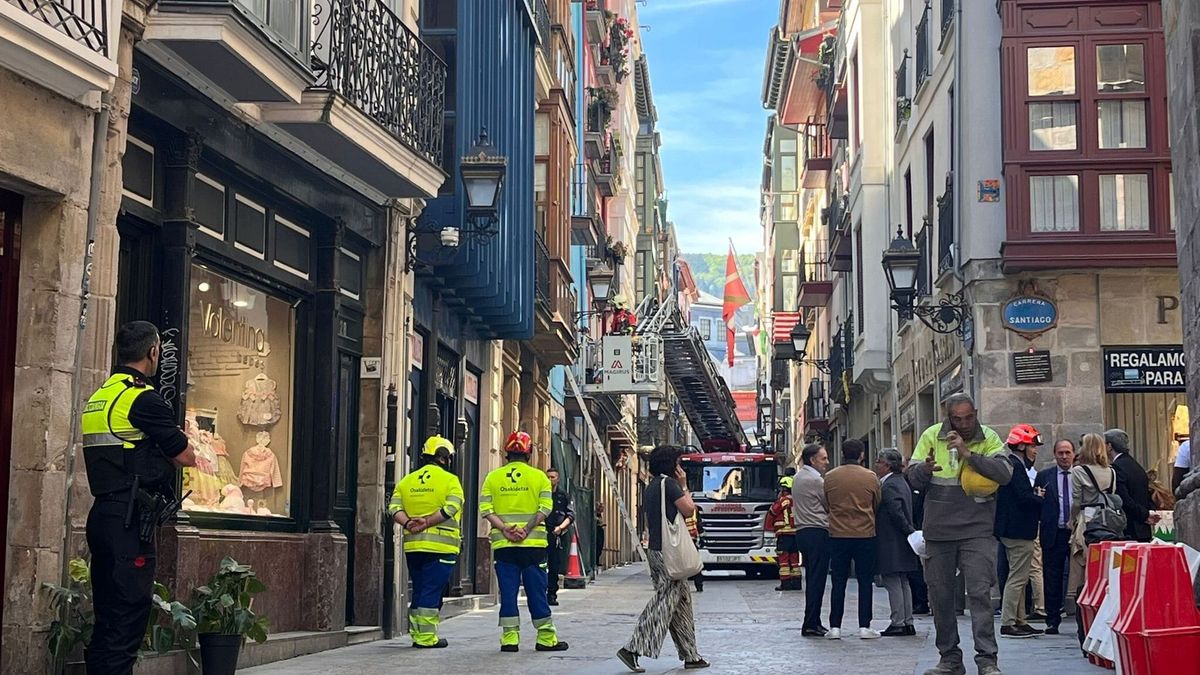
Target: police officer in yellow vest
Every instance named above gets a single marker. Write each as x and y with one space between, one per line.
516 499
959 464
132 445
428 505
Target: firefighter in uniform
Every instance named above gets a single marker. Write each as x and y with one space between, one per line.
428 503
132 445
516 499
787 550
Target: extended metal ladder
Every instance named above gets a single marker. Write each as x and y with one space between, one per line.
597 446
702 392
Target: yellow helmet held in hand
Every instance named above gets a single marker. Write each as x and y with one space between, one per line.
436 443
975 484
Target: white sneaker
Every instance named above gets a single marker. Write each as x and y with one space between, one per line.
868 633
834 634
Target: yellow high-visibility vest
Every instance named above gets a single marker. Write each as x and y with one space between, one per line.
422 493
516 492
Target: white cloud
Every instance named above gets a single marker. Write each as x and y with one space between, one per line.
708 213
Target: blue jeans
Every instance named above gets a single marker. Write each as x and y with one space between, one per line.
517 566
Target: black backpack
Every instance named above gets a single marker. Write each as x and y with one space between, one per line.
1108 521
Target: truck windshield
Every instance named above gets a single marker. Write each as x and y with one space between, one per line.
754 482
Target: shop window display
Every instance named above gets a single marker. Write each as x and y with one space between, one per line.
239 414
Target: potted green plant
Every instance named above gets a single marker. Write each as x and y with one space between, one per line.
224 618
170 623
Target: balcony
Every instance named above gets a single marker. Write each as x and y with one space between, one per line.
541 19
586 225
924 57
62 45
841 362
541 263
816 409
377 102
596 21
949 9
924 245
257 52
837 109
606 169
596 127
817 149
903 100
945 216
836 218
816 287
554 331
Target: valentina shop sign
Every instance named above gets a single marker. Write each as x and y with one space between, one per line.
1144 369
1029 313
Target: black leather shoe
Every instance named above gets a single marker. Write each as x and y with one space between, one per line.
814 632
557 647
553 602
895 631
1051 630
693 665
910 630
440 644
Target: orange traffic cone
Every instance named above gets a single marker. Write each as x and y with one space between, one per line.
574 577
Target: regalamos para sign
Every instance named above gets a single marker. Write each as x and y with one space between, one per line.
1144 369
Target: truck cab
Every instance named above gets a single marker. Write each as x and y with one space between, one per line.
732 491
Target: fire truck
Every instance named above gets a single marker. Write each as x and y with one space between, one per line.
732 484
733 491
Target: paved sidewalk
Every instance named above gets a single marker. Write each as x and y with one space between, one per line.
744 627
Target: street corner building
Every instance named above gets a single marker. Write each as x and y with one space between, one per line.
356 223
245 173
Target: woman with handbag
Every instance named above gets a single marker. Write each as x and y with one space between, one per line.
1091 478
672 558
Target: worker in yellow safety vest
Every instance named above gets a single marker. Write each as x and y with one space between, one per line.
515 500
428 504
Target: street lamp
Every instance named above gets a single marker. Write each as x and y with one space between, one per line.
482 174
901 261
600 281
800 336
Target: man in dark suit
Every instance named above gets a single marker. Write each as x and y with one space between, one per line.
1055 531
1133 486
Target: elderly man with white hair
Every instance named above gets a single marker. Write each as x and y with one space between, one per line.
893 524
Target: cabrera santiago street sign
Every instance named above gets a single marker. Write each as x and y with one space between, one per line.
1144 369
1029 313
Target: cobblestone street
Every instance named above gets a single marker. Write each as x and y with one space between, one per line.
744 627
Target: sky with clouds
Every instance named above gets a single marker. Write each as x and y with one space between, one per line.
706 65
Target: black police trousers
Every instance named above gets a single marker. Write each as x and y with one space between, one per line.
122 583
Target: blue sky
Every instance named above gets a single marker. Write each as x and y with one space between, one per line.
706 65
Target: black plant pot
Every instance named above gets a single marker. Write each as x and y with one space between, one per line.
219 653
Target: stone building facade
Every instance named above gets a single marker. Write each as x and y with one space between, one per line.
1181 19
46 179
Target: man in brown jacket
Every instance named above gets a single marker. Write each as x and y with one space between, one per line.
853 493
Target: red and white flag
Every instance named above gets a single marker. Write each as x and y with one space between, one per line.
736 295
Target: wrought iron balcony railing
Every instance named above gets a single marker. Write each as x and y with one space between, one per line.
903 100
364 52
841 362
949 7
815 142
542 265
923 53
924 246
583 194
945 207
84 21
816 409
541 16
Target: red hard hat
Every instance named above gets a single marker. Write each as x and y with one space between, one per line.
519 441
1022 434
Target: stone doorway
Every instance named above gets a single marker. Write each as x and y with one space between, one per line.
10 249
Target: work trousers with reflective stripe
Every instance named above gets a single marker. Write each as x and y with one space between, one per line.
429 573
787 554
517 566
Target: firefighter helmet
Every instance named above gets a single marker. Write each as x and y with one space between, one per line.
785 483
519 441
1024 434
